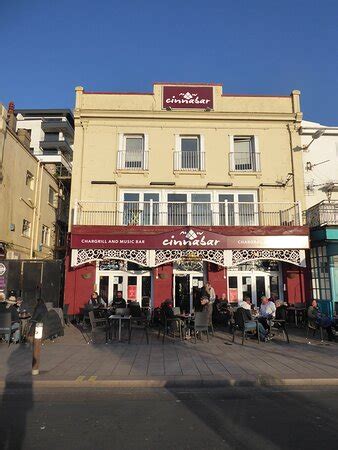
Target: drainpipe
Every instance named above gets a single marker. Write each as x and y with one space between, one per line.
37 185
3 134
38 209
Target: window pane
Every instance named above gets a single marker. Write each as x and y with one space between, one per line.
134 143
242 145
246 211
149 219
229 218
201 209
190 144
131 209
177 209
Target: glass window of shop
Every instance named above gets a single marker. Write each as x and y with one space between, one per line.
320 275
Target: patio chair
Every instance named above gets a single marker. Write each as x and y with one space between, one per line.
279 323
201 323
210 312
6 325
138 321
98 324
312 326
243 325
172 324
65 309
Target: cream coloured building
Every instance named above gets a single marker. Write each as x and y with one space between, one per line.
178 163
29 196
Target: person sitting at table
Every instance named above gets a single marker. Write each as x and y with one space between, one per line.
174 320
96 301
118 301
281 310
318 319
246 307
267 311
15 326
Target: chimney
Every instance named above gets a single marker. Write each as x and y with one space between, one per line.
24 137
11 119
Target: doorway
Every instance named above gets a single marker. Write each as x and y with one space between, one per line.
253 284
185 289
134 286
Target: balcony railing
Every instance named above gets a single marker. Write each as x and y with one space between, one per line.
181 213
189 161
324 213
132 160
244 162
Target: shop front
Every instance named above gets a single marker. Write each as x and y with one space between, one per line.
151 264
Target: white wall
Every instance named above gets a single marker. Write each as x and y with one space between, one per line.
322 149
37 134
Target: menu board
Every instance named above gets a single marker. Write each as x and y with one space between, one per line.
132 292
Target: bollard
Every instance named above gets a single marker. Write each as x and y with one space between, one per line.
37 341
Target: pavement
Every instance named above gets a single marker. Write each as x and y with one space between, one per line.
239 418
75 361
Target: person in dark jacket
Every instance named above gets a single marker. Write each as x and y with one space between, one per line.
317 319
52 326
96 301
118 301
10 307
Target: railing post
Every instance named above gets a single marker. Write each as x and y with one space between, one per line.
151 210
226 210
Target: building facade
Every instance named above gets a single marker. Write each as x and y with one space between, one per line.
51 142
29 196
320 160
186 184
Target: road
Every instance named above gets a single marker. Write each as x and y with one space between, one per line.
229 418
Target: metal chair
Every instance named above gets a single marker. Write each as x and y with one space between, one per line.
243 325
314 328
201 323
97 324
65 309
6 325
167 323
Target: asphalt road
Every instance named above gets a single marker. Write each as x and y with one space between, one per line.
230 418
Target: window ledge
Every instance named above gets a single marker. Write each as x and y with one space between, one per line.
189 172
132 170
233 173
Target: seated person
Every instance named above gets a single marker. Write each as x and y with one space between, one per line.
168 311
10 307
118 301
135 308
96 301
267 311
281 310
245 305
317 319
221 310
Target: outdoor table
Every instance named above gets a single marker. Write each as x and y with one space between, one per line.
294 310
119 318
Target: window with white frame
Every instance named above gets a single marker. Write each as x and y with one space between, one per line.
29 180
132 154
52 197
141 208
45 235
321 289
26 228
189 208
244 154
189 154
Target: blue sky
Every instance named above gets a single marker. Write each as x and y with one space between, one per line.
266 47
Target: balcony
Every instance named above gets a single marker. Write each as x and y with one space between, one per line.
56 125
62 146
132 160
324 213
56 157
189 161
244 162
187 214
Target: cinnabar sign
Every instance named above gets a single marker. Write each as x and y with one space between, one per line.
188 97
187 238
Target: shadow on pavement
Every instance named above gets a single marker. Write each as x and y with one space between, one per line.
13 421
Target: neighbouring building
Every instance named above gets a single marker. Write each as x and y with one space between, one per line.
185 184
320 161
51 142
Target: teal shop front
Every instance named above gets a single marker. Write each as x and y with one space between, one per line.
324 268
